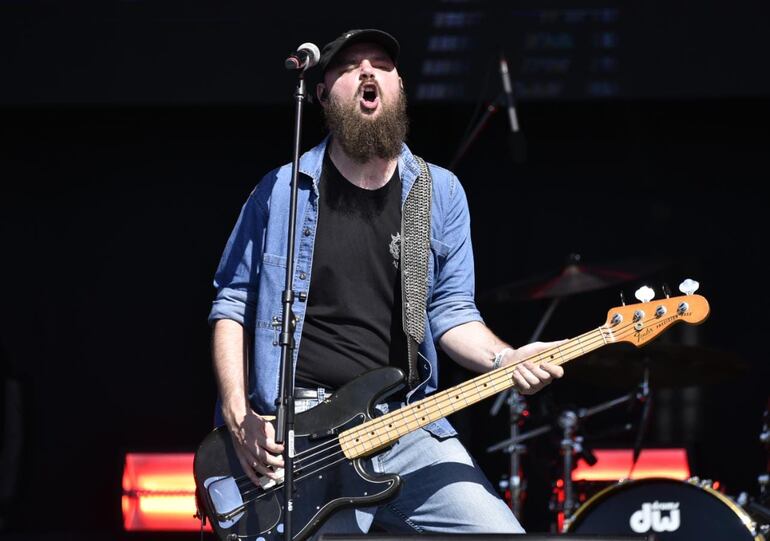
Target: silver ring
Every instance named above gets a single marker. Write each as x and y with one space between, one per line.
254 464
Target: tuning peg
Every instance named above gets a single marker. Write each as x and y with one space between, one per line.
666 291
688 287
622 299
644 294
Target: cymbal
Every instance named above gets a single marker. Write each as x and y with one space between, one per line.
570 280
670 365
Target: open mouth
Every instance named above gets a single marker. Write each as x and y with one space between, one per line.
369 96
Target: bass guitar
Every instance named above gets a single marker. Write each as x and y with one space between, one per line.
333 439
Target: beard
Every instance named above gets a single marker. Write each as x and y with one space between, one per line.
364 138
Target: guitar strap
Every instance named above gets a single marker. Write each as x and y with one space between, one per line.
415 251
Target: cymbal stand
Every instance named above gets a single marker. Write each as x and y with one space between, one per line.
517 405
571 445
764 438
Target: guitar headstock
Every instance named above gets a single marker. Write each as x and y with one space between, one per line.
639 323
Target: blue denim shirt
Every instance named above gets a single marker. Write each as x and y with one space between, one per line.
250 276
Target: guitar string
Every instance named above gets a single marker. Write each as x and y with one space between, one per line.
275 488
605 332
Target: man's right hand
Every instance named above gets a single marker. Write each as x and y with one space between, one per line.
254 442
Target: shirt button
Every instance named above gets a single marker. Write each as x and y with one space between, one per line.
302 275
306 231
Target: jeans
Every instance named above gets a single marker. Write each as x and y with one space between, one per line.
443 490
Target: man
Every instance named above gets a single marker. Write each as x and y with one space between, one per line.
352 191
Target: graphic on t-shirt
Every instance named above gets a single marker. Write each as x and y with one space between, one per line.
395 248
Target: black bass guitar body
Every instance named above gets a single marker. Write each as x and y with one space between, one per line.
325 480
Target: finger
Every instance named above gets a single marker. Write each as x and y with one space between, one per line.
248 464
526 372
521 383
268 459
263 470
541 374
270 445
554 369
258 465
267 440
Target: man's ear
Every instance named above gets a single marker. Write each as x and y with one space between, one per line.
321 93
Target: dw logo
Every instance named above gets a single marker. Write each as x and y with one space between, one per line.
651 516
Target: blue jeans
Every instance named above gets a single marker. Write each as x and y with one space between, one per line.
443 490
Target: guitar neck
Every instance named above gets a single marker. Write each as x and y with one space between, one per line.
383 431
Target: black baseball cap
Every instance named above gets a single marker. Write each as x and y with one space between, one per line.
369 35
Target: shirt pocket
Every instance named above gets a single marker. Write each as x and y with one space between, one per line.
271 282
274 260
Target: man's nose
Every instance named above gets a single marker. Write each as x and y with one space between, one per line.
367 70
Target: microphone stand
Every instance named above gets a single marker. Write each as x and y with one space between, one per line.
516 140
285 401
490 110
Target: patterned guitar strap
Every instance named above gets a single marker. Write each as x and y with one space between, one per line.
415 251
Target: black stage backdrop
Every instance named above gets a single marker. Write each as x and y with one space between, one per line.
113 220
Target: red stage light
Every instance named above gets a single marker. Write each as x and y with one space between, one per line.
615 464
159 492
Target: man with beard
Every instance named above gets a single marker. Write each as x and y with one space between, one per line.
353 188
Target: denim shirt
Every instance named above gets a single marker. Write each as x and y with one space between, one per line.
251 273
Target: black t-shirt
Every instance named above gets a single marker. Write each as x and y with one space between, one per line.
353 321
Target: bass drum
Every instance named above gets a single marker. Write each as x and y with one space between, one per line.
672 510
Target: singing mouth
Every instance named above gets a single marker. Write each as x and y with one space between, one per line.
369 96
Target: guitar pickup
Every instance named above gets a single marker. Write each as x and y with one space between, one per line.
324 434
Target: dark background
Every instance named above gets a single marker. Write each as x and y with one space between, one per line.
133 131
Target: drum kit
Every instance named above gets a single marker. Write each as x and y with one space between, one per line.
671 509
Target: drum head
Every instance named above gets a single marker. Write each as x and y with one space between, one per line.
672 510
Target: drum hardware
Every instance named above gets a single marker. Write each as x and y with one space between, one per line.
764 438
573 278
571 445
761 513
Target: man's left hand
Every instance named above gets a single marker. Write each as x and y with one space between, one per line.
529 377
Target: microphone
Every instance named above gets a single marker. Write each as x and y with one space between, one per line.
306 56
508 89
516 138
